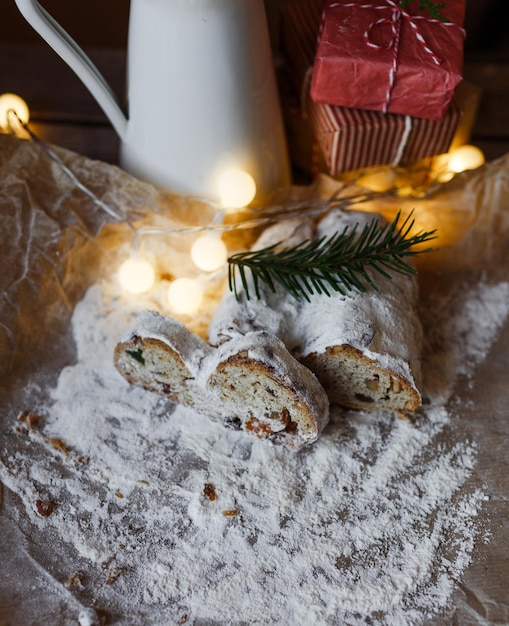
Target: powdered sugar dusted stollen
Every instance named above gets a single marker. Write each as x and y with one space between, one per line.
274 312
266 392
160 354
253 384
363 347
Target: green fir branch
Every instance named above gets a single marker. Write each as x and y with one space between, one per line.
336 263
433 8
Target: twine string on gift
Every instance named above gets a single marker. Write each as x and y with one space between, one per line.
404 140
395 23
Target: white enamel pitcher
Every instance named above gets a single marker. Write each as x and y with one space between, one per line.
201 92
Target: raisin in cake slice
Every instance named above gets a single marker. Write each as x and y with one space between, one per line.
253 384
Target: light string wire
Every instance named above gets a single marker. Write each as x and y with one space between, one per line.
270 214
68 172
267 214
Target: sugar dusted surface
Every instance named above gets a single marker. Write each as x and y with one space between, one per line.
375 523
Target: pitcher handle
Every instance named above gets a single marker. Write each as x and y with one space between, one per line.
65 46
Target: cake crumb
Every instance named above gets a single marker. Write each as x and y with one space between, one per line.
209 491
31 420
58 444
76 580
45 507
114 574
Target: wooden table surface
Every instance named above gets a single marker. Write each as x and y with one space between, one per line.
64 113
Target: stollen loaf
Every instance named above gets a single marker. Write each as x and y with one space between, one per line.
364 347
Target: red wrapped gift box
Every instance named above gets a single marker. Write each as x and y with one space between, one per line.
374 55
351 139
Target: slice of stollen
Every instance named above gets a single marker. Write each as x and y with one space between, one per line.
160 354
253 384
267 392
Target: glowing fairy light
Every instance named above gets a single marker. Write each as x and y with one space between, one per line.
209 252
465 157
236 189
136 275
379 180
14 112
185 296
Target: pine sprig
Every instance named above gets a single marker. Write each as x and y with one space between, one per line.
433 8
335 263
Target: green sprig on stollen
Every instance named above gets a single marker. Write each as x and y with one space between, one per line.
331 263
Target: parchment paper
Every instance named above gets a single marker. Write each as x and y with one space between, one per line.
55 242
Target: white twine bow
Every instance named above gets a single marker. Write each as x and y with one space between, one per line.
395 22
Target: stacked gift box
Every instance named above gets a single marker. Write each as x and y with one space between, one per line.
374 83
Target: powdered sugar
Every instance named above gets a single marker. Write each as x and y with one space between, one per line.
460 325
374 523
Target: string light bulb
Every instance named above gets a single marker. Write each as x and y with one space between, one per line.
13 110
185 296
136 275
209 252
465 157
236 189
